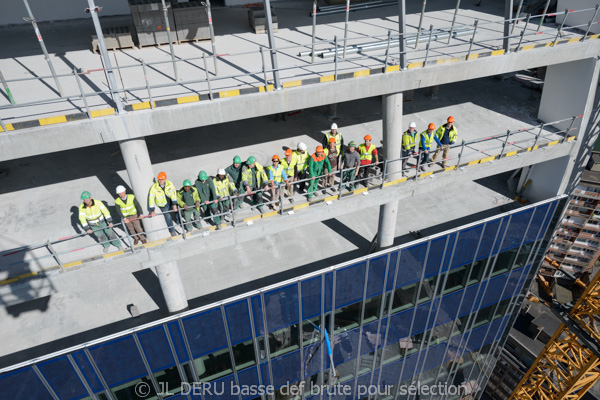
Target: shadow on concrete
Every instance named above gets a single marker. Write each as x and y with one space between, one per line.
149 281
40 304
347 233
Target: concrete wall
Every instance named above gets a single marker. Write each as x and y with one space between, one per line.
546 179
13 11
579 18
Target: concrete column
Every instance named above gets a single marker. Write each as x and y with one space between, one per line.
332 111
392 150
576 81
508 14
141 175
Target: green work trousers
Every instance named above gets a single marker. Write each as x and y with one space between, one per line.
103 233
192 214
312 186
214 209
348 177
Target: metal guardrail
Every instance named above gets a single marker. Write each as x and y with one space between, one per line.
346 46
380 174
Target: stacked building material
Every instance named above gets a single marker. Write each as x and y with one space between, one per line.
191 21
149 20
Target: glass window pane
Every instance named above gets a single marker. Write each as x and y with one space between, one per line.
365 363
523 255
243 354
502 307
169 381
348 317
127 391
309 333
213 366
456 279
404 298
477 269
372 307
427 289
504 261
284 341
392 352
484 316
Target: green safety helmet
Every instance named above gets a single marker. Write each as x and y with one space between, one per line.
202 176
187 182
85 195
251 160
237 160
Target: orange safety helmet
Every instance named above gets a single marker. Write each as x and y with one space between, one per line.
162 175
451 119
368 137
332 140
275 157
432 126
319 149
289 152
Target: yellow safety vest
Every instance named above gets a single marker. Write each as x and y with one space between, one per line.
453 132
93 214
289 168
261 177
277 173
409 140
195 196
127 207
301 161
159 195
338 140
366 154
223 187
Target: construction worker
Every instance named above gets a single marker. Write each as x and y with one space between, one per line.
225 190
409 140
333 155
127 207
254 181
234 172
164 195
447 134
189 199
208 197
301 165
427 138
316 164
96 219
277 176
367 151
351 165
339 140
289 166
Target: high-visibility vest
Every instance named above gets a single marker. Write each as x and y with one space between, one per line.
301 161
261 177
289 167
127 207
224 187
453 132
93 214
195 196
409 140
428 138
277 173
338 140
366 154
159 195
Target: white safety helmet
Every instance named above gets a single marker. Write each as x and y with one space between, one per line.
302 146
120 189
220 171
412 125
334 126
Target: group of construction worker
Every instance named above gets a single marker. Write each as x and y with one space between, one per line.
296 171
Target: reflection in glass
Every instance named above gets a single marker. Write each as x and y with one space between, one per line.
347 318
372 307
404 298
284 340
427 289
456 279
505 261
169 381
213 366
243 354
477 269
127 391
310 334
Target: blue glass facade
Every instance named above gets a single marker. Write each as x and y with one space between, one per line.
432 311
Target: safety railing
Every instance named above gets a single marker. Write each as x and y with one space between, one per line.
345 54
374 176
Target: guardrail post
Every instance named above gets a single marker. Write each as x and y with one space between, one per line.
568 130
472 39
385 163
346 27
3 126
418 166
147 82
281 199
212 33
523 33
387 51
543 15
504 144
129 242
55 255
559 32
428 45
538 136
335 58
462 148
210 95
272 50
453 21
517 16
77 78
591 22
264 69
6 89
165 10
341 186
314 32
182 224
420 24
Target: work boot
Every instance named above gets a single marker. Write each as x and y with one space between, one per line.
324 191
144 241
173 233
218 227
291 200
136 241
277 204
119 248
105 250
260 210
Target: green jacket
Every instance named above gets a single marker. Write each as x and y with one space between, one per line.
188 198
315 165
235 174
206 190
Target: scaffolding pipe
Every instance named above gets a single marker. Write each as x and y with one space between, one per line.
420 23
